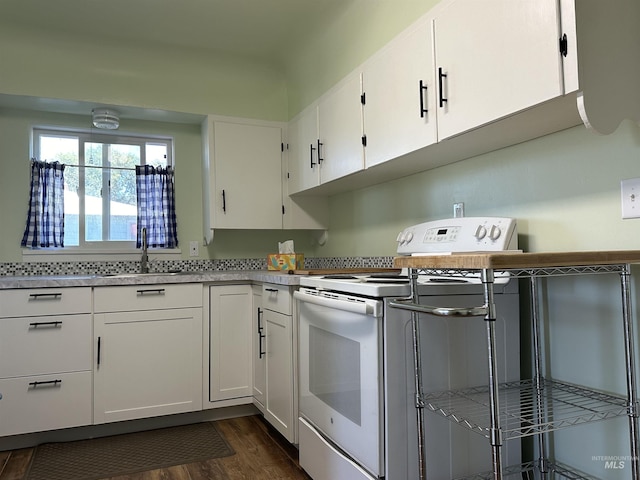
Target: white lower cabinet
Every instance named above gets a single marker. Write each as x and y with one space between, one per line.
148 362
45 359
258 350
230 375
280 396
45 402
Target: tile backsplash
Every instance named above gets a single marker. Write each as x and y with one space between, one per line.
107 267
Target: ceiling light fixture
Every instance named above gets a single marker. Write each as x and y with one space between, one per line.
105 118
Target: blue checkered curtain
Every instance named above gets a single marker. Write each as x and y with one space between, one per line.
156 206
45 220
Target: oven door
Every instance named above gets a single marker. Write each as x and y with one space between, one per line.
340 372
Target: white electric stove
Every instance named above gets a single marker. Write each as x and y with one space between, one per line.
440 237
357 417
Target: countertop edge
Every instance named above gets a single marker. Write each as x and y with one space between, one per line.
518 260
48 281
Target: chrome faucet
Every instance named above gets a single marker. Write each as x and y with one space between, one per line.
144 260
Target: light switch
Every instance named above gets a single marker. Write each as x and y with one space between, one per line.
630 196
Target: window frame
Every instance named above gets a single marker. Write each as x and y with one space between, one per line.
106 247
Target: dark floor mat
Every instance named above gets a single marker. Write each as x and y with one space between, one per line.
124 454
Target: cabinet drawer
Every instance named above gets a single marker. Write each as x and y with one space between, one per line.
29 407
44 301
276 298
38 345
147 297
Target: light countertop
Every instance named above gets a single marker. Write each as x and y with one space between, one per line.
82 280
516 260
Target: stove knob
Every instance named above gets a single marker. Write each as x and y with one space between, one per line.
481 232
400 237
494 232
408 237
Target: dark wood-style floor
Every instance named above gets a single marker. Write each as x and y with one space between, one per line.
261 454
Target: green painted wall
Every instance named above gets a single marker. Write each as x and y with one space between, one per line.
46 64
15 129
345 40
564 189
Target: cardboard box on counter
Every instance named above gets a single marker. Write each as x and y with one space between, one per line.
285 261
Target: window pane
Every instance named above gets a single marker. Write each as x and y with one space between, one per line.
122 206
71 207
100 193
93 211
156 154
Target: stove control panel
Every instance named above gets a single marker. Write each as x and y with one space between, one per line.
462 234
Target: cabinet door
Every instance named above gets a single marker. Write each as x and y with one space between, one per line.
400 110
340 151
148 363
45 402
247 169
41 345
499 57
279 406
230 342
303 173
258 350
304 170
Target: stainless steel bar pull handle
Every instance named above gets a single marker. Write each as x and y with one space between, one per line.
405 304
441 76
320 144
224 201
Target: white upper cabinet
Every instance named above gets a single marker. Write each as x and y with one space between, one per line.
399 88
494 58
243 164
248 176
603 64
471 77
304 169
340 150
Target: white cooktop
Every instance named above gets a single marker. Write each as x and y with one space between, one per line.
360 285
453 235
458 235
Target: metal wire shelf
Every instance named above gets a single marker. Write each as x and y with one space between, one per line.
525 273
531 471
526 410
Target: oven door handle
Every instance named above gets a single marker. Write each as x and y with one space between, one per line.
361 308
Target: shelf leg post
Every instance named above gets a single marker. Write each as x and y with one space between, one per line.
632 401
417 367
490 320
538 376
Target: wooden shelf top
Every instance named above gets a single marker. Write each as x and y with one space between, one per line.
517 260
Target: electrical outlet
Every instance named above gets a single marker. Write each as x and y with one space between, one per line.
630 196
193 249
458 210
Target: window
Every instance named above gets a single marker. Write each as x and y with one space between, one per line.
100 182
